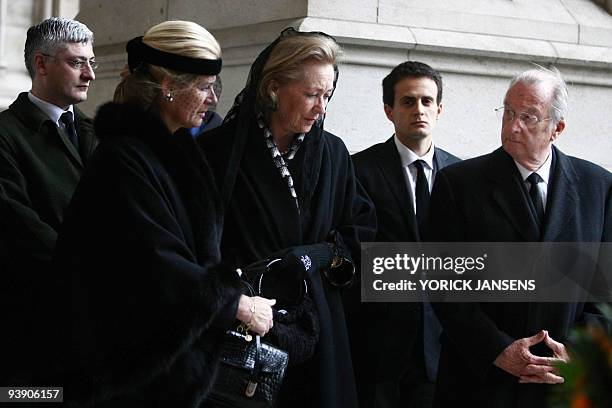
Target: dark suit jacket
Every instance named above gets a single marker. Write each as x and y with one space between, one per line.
386 346
39 170
484 199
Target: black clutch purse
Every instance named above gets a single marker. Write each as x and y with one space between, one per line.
250 372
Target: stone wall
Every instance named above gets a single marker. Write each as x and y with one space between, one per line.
478 45
15 19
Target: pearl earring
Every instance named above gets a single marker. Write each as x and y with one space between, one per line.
169 97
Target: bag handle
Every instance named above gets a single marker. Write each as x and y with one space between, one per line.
262 265
255 374
251 386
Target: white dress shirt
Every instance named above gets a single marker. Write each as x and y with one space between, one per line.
543 171
54 112
408 157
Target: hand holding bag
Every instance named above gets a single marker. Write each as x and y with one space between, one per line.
250 372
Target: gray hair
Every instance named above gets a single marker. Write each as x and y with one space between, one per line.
550 77
50 36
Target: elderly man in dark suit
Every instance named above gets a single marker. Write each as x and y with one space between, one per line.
396 357
44 144
529 191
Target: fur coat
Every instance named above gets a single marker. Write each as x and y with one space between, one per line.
139 258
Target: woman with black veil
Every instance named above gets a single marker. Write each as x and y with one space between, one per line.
293 203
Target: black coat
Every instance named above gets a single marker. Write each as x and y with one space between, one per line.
484 200
39 170
139 254
390 344
262 219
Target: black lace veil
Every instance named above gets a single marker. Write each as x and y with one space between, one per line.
245 108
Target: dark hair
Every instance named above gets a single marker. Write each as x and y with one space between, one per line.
409 69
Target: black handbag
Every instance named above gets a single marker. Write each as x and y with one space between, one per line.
250 372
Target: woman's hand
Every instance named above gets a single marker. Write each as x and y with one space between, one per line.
256 312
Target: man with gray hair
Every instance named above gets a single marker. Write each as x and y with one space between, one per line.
44 144
504 354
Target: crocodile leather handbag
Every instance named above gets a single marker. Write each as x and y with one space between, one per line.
250 372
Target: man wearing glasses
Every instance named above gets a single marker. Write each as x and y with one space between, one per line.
45 143
525 191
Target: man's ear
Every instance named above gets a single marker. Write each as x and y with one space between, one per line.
388 111
557 130
439 109
40 65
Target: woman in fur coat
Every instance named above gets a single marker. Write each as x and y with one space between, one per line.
139 250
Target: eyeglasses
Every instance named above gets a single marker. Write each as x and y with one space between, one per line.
77 63
529 120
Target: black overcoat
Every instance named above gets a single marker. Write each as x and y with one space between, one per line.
262 219
39 170
484 200
138 254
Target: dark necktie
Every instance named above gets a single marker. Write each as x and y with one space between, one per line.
422 196
431 325
536 198
66 119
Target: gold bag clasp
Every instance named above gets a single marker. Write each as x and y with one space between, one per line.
250 389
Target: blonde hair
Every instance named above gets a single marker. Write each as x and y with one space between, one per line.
286 63
184 38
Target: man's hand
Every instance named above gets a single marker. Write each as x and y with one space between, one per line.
517 360
560 355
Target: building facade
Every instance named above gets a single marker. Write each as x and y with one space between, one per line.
477 45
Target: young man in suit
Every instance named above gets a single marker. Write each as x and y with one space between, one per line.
525 191
44 144
396 357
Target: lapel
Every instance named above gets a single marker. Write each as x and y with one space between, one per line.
440 161
390 166
72 151
85 134
509 194
562 196
38 122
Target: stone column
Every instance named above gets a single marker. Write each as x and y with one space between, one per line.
478 45
15 19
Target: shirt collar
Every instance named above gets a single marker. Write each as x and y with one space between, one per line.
54 112
408 157
543 171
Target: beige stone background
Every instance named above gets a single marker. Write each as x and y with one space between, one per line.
478 45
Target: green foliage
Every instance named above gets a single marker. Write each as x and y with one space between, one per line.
588 375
